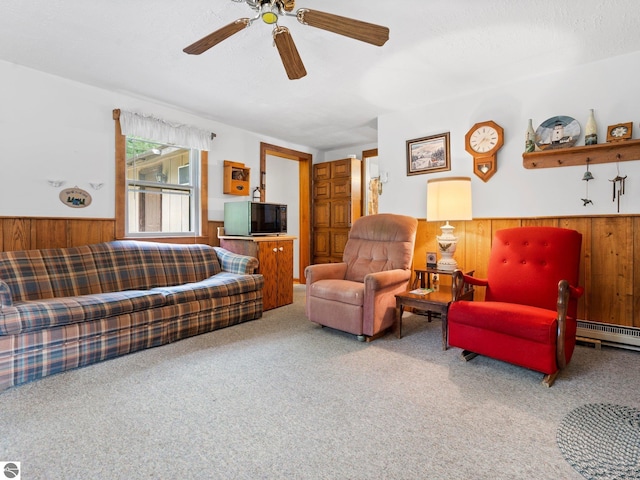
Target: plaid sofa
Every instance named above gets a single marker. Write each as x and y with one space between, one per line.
69 307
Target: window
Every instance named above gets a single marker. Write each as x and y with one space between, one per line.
161 188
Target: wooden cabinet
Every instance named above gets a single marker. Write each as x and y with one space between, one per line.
236 178
275 255
337 202
276 264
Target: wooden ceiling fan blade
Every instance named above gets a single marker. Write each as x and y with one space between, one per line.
288 53
205 43
349 27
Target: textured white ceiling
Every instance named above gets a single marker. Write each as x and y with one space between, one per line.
437 49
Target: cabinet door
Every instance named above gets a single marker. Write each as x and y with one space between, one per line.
322 171
322 190
276 266
339 239
341 168
321 243
322 215
341 188
340 214
285 272
268 268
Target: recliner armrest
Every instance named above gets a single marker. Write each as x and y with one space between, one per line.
460 280
324 271
575 292
386 279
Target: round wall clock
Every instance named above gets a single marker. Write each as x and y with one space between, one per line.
483 141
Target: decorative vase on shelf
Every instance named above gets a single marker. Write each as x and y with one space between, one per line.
591 130
530 138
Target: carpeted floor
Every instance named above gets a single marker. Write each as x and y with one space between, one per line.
283 398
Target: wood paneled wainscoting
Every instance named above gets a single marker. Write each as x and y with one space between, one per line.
610 268
26 233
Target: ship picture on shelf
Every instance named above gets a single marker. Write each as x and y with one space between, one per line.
558 132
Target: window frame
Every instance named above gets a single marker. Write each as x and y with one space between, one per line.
199 236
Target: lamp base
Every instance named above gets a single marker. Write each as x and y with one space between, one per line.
448 265
447 244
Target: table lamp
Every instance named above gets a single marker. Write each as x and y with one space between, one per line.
448 199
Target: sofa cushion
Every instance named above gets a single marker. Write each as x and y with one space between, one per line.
48 273
223 284
51 312
135 265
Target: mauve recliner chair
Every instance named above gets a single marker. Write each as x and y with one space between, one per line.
358 295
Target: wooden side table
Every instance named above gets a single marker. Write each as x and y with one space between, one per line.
422 279
436 302
423 276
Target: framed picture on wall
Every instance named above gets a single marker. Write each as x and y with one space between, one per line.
428 154
621 131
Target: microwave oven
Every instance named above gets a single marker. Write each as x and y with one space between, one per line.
254 218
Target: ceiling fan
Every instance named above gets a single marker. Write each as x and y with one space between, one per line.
269 11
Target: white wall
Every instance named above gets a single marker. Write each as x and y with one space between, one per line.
344 152
53 128
607 86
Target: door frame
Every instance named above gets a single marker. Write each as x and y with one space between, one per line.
305 161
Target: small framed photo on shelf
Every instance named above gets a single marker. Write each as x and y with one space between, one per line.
428 154
621 131
431 260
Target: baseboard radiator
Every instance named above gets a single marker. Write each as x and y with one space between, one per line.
609 334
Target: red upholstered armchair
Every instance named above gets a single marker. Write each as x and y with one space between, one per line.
358 295
528 317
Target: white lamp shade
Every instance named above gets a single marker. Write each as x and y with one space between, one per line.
449 199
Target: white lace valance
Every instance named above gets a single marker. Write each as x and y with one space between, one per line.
145 126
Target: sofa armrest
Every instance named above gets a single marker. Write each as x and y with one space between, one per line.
6 300
10 321
236 263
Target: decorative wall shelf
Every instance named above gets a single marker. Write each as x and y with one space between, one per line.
236 178
621 151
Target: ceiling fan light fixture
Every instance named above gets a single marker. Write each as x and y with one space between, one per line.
269 13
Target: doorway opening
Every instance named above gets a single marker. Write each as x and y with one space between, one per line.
304 163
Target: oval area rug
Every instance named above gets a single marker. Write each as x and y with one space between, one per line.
602 441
